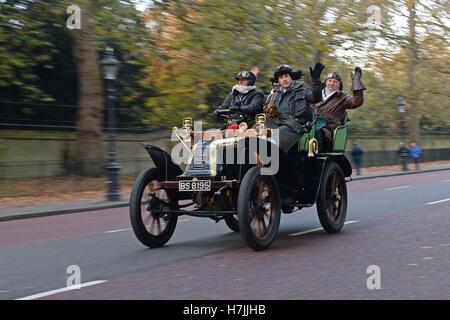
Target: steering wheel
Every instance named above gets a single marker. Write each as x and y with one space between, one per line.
228 114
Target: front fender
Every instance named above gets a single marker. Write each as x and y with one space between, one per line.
163 162
315 176
343 162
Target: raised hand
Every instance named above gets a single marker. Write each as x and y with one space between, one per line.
315 73
357 84
357 74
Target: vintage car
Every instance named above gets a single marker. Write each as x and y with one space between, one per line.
238 174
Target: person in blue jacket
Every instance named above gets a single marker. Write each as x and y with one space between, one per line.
415 153
357 153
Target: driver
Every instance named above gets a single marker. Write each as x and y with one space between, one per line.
244 96
289 105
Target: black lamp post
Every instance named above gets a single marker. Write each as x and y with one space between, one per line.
401 110
110 66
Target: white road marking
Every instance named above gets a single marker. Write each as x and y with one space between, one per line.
314 230
395 188
436 202
427 258
118 230
448 180
128 229
426 247
49 293
413 264
4 291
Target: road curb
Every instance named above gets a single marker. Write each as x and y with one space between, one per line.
47 213
399 174
120 204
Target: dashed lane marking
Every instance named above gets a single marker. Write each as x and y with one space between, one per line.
118 230
438 201
395 188
70 288
314 230
128 229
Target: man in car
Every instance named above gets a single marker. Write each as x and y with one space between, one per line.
335 102
289 104
244 96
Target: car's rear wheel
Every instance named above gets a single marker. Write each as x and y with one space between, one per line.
259 209
152 228
332 199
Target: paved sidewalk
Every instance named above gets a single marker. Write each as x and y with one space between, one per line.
389 171
41 210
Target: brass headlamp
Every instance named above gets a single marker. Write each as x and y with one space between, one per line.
260 126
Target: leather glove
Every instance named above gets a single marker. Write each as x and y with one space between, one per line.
315 73
357 84
357 74
271 110
215 115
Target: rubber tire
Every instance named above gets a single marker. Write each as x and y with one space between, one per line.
328 225
232 222
243 210
139 228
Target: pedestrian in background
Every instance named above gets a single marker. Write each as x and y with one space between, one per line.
403 153
415 153
357 153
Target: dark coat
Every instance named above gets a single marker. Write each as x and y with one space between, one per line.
294 106
357 153
251 103
403 152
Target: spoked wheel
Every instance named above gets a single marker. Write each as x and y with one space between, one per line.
152 228
332 199
232 222
259 209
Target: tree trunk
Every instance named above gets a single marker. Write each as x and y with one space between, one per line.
89 154
317 16
413 94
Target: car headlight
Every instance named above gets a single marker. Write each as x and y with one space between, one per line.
185 133
187 122
259 129
261 118
242 127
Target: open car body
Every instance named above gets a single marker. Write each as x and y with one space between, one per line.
238 174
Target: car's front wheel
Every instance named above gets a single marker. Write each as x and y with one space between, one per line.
232 222
148 203
259 209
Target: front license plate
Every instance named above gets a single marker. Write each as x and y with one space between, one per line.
194 185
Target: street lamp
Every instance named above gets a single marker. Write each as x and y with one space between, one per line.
401 110
110 67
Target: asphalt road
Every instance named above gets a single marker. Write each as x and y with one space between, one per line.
399 224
